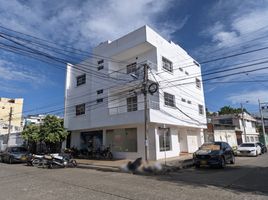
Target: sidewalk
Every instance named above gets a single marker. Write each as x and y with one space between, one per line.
174 163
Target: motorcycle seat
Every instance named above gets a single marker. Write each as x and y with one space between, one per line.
48 157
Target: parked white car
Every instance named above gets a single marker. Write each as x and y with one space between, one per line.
248 149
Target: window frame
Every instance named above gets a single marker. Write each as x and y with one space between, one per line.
198 83
167 135
81 110
83 79
100 91
164 61
169 99
131 68
132 103
201 107
100 100
100 67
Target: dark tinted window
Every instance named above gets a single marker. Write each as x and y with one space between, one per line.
17 149
247 145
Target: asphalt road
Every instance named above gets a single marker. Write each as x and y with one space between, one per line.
247 179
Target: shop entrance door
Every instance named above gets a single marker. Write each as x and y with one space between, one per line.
91 140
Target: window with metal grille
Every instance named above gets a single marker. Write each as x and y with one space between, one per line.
167 64
80 80
99 91
131 68
169 99
80 109
100 67
132 104
100 100
201 109
198 83
100 62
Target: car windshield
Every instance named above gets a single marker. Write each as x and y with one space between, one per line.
18 149
247 145
212 147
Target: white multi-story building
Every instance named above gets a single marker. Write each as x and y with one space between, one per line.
104 103
246 132
34 119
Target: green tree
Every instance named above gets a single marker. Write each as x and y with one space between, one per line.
230 110
51 131
31 133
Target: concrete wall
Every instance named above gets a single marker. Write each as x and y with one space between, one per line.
228 136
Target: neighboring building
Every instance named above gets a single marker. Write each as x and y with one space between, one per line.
259 126
96 115
235 120
6 105
222 132
34 119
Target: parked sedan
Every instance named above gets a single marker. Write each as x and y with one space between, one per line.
248 149
214 154
14 154
263 147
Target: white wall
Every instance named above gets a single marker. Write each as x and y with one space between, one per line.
175 145
228 136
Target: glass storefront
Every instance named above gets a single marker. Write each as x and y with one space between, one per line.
91 140
122 140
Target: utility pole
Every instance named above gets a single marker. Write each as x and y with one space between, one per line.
262 121
9 124
145 91
243 121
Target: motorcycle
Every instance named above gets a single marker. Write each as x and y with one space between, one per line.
52 161
62 160
34 159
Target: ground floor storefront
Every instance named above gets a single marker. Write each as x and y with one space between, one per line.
128 142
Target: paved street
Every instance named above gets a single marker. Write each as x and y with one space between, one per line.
248 179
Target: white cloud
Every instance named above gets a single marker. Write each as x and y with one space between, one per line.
86 23
250 96
12 73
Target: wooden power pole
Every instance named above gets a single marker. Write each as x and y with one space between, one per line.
9 124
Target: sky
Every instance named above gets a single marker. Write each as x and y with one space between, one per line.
207 30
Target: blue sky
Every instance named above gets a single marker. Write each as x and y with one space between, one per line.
205 29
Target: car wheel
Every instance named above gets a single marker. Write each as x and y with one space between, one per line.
222 163
256 153
233 160
197 166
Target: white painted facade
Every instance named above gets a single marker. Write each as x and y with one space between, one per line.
140 46
249 134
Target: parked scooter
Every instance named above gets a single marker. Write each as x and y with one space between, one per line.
62 160
52 161
34 159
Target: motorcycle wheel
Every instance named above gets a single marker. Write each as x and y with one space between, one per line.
110 156
73 163
36 163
